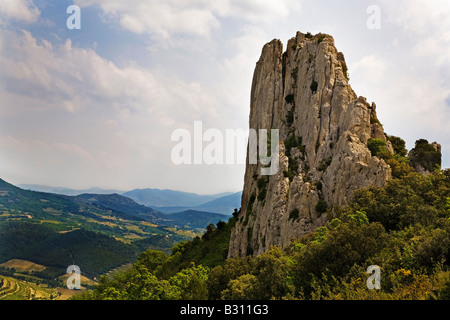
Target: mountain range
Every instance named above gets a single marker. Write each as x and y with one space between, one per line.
164 200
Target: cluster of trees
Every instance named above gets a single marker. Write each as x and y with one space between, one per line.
404 228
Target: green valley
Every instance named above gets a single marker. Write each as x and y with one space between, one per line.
96 232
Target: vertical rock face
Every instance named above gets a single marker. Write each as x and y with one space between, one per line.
324 128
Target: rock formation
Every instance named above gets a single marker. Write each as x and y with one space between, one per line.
324 128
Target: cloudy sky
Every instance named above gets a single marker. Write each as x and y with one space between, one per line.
97 106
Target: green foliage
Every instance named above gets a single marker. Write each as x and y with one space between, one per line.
413 199
359 218
207 251
308 35
376 146
294 142
399 145
425 155
242 288
403 227
321 234
190 283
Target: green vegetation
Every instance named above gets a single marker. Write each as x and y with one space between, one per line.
404 228
294 142
17 289
376 146
425 155
399 145
321 206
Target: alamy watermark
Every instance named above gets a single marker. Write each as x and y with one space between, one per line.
373 22
73 282
374 280
74 20
215 147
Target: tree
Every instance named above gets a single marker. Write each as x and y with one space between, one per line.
151 259
425 155
242 288
191 283
399 145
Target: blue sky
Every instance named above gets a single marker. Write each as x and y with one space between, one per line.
97 106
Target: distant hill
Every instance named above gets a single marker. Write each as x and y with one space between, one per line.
167 201
67 191
156 198
190 219
100 232
223 205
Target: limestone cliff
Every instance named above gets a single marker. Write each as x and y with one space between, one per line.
324 128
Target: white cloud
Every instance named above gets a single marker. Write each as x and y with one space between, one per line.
164 19
370 70
74 92
426 23
23 10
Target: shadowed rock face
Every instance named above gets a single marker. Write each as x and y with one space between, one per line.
324 128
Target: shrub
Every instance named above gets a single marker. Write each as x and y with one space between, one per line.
294 142
321 206
294 214
289 98
399 145
375 146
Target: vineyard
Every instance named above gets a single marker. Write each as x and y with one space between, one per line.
15 289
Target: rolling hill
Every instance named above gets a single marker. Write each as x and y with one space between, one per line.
169 198
97 231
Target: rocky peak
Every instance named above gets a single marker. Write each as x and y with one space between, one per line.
324 128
